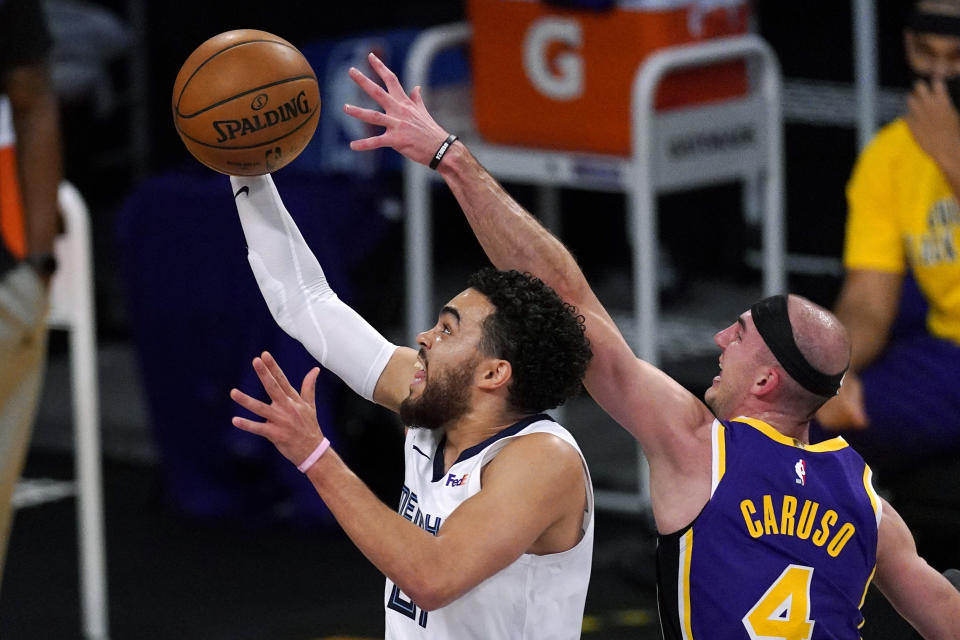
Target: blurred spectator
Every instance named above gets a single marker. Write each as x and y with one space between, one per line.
86 39
900 299
190 297
29 177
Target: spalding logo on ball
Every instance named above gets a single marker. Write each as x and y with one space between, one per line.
246 102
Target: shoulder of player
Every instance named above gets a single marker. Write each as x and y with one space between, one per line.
541 455
539 445
896 550
683 424
892 534
685 451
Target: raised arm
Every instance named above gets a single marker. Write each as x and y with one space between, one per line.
924 597
303 304
658 411
534 483
640 397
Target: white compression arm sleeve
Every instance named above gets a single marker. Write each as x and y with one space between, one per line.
297 293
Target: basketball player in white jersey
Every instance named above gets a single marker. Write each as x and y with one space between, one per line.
494 533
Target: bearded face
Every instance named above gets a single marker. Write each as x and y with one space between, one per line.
445 398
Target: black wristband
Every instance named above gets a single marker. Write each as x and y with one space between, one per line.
438 156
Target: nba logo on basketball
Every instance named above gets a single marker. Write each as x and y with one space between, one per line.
801 469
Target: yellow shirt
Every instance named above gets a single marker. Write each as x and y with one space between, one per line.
902 213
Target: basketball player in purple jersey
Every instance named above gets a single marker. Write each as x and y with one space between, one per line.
762 535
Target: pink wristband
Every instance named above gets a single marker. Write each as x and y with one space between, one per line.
313 457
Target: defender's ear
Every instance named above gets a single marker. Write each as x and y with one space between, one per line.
766 381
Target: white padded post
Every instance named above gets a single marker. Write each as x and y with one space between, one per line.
72 310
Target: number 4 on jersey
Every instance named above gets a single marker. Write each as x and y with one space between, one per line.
783 613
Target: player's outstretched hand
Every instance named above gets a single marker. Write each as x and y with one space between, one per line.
847 410
410 129
291 417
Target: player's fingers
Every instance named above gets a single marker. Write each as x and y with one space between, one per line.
368 144
370 116
278 375
269 383
417 96
387 75
252 426
250 403
308 389
371 88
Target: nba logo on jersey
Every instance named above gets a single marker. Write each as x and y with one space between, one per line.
801 469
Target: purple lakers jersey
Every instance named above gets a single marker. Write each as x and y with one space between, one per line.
784 548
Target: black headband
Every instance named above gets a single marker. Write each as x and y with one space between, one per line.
923 22
773 322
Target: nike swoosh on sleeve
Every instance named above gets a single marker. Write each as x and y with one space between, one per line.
244 190
417 449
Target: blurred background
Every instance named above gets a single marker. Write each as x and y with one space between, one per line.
209 532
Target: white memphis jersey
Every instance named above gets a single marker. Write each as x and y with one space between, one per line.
534 598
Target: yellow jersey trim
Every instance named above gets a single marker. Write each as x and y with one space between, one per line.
864 597
683 585
833 444
872 493
719 447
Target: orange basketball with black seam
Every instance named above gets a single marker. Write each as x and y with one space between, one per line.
246 102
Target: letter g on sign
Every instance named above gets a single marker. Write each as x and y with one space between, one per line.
568 83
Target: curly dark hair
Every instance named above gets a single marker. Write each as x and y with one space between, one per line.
540 335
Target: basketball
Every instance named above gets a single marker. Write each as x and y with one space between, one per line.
246 102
